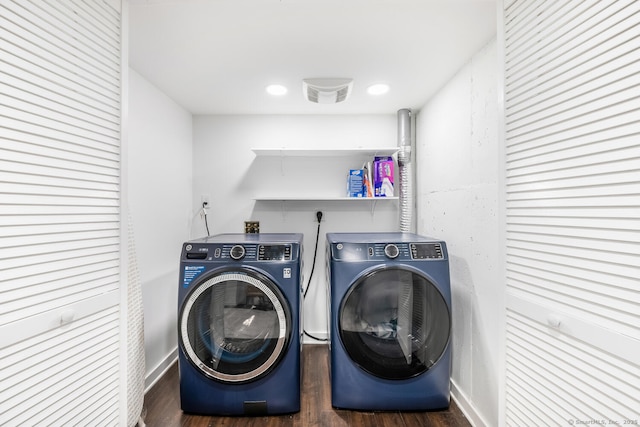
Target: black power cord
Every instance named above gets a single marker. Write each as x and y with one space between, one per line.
313 267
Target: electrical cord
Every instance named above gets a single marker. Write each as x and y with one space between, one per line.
313 267
204 212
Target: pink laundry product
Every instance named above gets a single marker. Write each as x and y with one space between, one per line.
383 177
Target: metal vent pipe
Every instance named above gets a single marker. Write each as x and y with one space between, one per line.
405 170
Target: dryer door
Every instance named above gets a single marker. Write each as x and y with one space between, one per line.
394 323
235 326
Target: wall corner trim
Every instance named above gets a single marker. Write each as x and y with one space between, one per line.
154 376
467 408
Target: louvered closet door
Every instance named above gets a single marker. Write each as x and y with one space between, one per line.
59 212
572 101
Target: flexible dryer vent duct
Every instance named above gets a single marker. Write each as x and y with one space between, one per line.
406 172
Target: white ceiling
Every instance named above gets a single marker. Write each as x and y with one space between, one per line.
217 56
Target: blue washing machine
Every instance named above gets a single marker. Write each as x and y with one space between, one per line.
239 324
390 321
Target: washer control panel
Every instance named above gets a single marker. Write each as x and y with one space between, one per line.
238 252
274 253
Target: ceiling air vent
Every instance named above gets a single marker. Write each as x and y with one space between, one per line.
327 91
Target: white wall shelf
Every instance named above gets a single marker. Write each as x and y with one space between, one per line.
295 171
322 199
325 152
361 202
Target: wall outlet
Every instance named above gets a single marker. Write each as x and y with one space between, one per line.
251 227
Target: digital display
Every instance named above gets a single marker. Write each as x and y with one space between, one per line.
426 251
274 253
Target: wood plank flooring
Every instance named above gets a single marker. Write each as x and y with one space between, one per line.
162 405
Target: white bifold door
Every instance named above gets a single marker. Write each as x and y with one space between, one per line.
60 110
572 179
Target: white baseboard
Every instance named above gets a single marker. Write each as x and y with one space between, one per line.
157 373
466 406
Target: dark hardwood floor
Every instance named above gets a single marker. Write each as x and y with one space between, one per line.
162 404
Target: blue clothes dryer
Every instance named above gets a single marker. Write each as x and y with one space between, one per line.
239 318
390 321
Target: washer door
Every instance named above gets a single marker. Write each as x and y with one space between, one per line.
394 323
235 326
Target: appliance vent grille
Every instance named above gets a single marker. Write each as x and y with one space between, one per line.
327 91
342 94
312 94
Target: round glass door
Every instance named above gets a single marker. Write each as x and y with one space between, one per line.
235 326
394 323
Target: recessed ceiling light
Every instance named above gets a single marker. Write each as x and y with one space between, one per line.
378 89
277 90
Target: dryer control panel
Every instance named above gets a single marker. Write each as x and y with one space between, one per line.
349 251
426 251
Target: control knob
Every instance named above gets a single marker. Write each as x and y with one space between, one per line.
237 252
391 251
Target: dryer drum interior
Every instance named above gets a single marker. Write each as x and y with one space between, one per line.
394 323
235 326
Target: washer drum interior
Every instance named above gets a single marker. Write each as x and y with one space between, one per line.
235 326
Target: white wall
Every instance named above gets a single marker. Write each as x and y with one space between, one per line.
159 191
226 170
457 200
